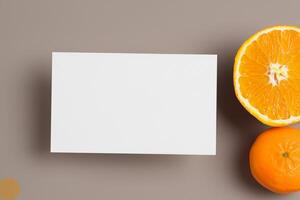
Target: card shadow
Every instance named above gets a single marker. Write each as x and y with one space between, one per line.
228 108
247 127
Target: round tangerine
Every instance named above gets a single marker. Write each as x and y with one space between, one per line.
275 159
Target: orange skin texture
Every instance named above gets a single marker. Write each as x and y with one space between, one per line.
275 159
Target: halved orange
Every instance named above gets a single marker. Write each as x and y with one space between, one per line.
267 75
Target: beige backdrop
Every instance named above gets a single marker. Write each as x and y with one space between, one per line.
31 29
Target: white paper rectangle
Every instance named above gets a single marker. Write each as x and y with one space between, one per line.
134 103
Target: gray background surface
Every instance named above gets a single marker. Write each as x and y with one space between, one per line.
31 29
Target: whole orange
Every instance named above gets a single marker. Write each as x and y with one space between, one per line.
275 159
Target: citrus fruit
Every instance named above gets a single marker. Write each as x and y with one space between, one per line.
275 159
9 189
267 75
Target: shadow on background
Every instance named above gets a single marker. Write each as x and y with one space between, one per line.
228 107
43 112
231 110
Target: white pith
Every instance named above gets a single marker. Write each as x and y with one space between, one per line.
281 74
276 73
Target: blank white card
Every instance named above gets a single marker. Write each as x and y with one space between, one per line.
134 103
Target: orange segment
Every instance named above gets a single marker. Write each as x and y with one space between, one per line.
267 75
